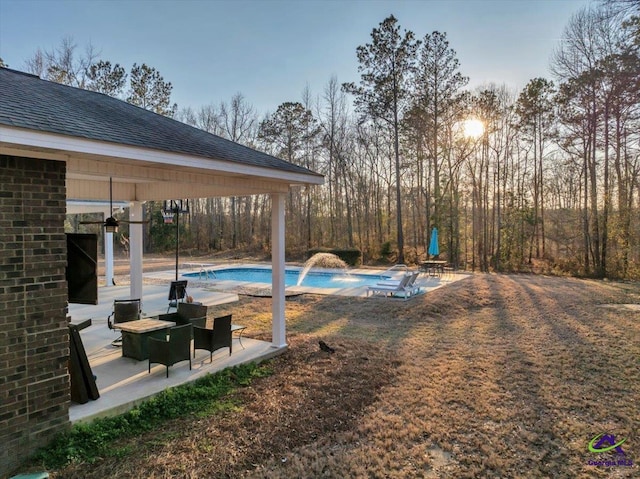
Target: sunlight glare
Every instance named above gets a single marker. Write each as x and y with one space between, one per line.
473 128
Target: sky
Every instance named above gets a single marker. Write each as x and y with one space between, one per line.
271 50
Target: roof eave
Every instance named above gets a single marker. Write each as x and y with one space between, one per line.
61 147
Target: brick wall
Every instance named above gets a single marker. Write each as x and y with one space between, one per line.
34 344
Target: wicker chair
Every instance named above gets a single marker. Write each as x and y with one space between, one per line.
188 313
124 310
176 349
213 339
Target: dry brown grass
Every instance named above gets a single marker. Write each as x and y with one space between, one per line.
494 376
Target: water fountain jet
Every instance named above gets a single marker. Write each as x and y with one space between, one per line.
324 260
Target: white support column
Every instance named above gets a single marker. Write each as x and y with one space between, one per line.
277 265
108 259
108 253
135 249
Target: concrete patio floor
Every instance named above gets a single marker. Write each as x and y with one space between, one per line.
124 382
154 301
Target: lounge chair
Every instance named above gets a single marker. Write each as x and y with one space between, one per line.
399 289
411 286
176 349
395 282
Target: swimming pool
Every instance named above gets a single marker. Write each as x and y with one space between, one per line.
313 279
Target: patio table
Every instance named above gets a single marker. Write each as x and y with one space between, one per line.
135 335
433 267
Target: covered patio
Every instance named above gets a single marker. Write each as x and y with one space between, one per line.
60 143
124 382
147 157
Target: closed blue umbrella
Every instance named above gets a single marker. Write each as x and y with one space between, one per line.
434 250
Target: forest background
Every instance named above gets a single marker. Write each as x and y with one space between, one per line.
547 178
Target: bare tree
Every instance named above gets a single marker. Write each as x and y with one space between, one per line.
598 66
238 122
334 124
62 64
535 108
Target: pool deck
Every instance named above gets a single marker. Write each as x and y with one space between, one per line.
427 283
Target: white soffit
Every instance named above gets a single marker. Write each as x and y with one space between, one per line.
109 158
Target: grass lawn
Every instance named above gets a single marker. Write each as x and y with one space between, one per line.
505 376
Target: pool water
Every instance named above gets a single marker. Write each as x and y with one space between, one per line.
314 279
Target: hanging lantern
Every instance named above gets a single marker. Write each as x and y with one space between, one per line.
111 225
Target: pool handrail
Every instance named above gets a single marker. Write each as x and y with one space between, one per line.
400 267
204 269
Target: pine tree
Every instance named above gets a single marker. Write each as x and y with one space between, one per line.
150 91
386 65
106 78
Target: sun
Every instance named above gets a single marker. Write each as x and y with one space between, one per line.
473 128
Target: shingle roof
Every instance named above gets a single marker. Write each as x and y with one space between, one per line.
26 101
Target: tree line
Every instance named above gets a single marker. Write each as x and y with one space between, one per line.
549 175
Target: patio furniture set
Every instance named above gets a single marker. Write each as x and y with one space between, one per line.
433 267
167 338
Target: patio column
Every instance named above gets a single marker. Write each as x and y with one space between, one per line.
108 254
277 266
135 250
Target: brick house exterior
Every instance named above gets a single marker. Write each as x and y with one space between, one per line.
34 343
